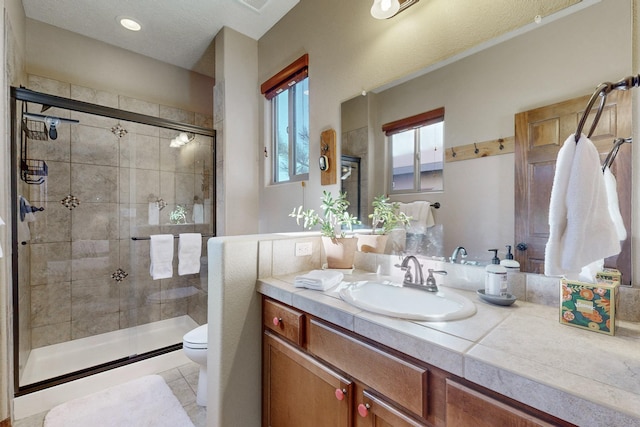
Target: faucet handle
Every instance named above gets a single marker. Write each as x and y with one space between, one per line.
430 283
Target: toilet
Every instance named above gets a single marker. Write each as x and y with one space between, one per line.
194 344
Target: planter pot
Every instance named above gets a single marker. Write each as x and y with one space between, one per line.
374 243
340 251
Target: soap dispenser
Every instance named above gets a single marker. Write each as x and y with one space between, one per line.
495 280
509 263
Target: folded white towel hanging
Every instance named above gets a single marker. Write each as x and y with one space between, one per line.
189 250
558 209
161 253
319 280
581 228
614 205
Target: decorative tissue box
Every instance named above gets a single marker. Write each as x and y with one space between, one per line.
590 305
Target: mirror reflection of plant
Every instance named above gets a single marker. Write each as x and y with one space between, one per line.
334 216
386 215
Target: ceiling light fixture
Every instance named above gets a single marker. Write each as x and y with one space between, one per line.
130 24
385 9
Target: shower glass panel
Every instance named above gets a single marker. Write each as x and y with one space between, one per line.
91 194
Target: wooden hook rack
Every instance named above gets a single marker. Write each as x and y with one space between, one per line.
476 150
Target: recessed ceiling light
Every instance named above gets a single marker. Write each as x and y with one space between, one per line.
130 24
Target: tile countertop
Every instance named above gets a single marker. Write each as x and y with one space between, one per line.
521 351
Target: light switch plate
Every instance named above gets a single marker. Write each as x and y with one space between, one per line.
304 248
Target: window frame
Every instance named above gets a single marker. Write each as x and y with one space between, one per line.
282 82
411 123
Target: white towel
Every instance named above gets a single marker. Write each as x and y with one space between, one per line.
189 250
318 280
614 206
154 213
581 230
421 216
198 213
161 253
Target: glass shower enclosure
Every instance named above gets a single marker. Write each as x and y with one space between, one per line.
90 185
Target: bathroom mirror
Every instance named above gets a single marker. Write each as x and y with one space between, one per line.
556 60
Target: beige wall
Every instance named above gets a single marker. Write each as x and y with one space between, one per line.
13 74
236 121
65 56
349 51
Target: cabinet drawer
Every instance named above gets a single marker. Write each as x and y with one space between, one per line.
284 321
374 411
400 381
469 408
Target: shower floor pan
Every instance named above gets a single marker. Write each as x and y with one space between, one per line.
71 356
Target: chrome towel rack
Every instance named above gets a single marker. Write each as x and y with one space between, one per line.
601 92
608 161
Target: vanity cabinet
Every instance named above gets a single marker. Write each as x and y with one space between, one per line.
470 408
301 391
317 374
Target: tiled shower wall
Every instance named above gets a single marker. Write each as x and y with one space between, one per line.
114 175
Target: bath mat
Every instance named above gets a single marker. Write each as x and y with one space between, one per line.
145 402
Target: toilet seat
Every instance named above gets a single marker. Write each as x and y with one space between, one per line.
197 338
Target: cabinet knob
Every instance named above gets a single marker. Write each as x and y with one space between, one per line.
277 320
340 393
363 409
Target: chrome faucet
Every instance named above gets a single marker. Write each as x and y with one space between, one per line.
418 281
459 250
408 277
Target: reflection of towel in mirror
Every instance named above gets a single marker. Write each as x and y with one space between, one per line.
198 213
421 216
154 213
319 280
581 230
161 253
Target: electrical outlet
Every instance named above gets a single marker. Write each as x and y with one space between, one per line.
304 248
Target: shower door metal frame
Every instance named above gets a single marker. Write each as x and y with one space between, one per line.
27 95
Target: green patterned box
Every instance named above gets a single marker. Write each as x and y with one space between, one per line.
589 305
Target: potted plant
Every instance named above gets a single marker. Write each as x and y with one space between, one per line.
339 249
385 218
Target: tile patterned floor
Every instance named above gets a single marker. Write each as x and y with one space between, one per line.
183 381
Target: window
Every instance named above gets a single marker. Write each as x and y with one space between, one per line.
288 92
416 152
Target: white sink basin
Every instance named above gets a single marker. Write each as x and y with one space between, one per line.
394 300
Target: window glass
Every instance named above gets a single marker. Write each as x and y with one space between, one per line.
417 159
291 133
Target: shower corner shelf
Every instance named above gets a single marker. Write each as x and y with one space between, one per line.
33 171
34 129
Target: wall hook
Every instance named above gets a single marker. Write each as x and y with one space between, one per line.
476 151
501 144
265 152
324 148
453 153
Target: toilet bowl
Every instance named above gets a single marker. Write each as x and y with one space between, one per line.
194 344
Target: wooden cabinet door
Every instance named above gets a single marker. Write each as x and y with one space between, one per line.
469 408
372 411
539 134
299 391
